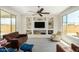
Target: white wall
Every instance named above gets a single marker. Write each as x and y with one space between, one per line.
23 24
56 25
18 17
68 39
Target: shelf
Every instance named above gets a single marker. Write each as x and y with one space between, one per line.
48 30
39 29
29 31
50 23
42 32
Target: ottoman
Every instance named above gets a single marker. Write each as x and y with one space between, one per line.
26 47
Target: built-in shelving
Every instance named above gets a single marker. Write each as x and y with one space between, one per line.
48 30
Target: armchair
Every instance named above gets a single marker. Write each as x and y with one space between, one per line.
56 36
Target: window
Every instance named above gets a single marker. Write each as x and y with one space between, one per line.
7 23
71 23
64 24
13 23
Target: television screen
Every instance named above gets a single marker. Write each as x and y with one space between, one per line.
39 24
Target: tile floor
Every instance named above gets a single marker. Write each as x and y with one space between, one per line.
42 45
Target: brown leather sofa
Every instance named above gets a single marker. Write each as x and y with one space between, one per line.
75 47
15 39
60 47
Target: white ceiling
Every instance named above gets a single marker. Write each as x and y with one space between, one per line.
54 10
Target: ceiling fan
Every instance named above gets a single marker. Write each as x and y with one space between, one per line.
40 11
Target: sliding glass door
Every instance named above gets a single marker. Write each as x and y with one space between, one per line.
7 23
71 23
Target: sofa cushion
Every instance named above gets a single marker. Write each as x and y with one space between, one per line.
26 47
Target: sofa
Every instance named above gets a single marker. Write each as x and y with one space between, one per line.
15 39
60 47
75 47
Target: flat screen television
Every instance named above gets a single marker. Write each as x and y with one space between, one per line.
39 25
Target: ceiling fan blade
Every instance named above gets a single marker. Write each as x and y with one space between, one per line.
40 14
45 13
39 11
